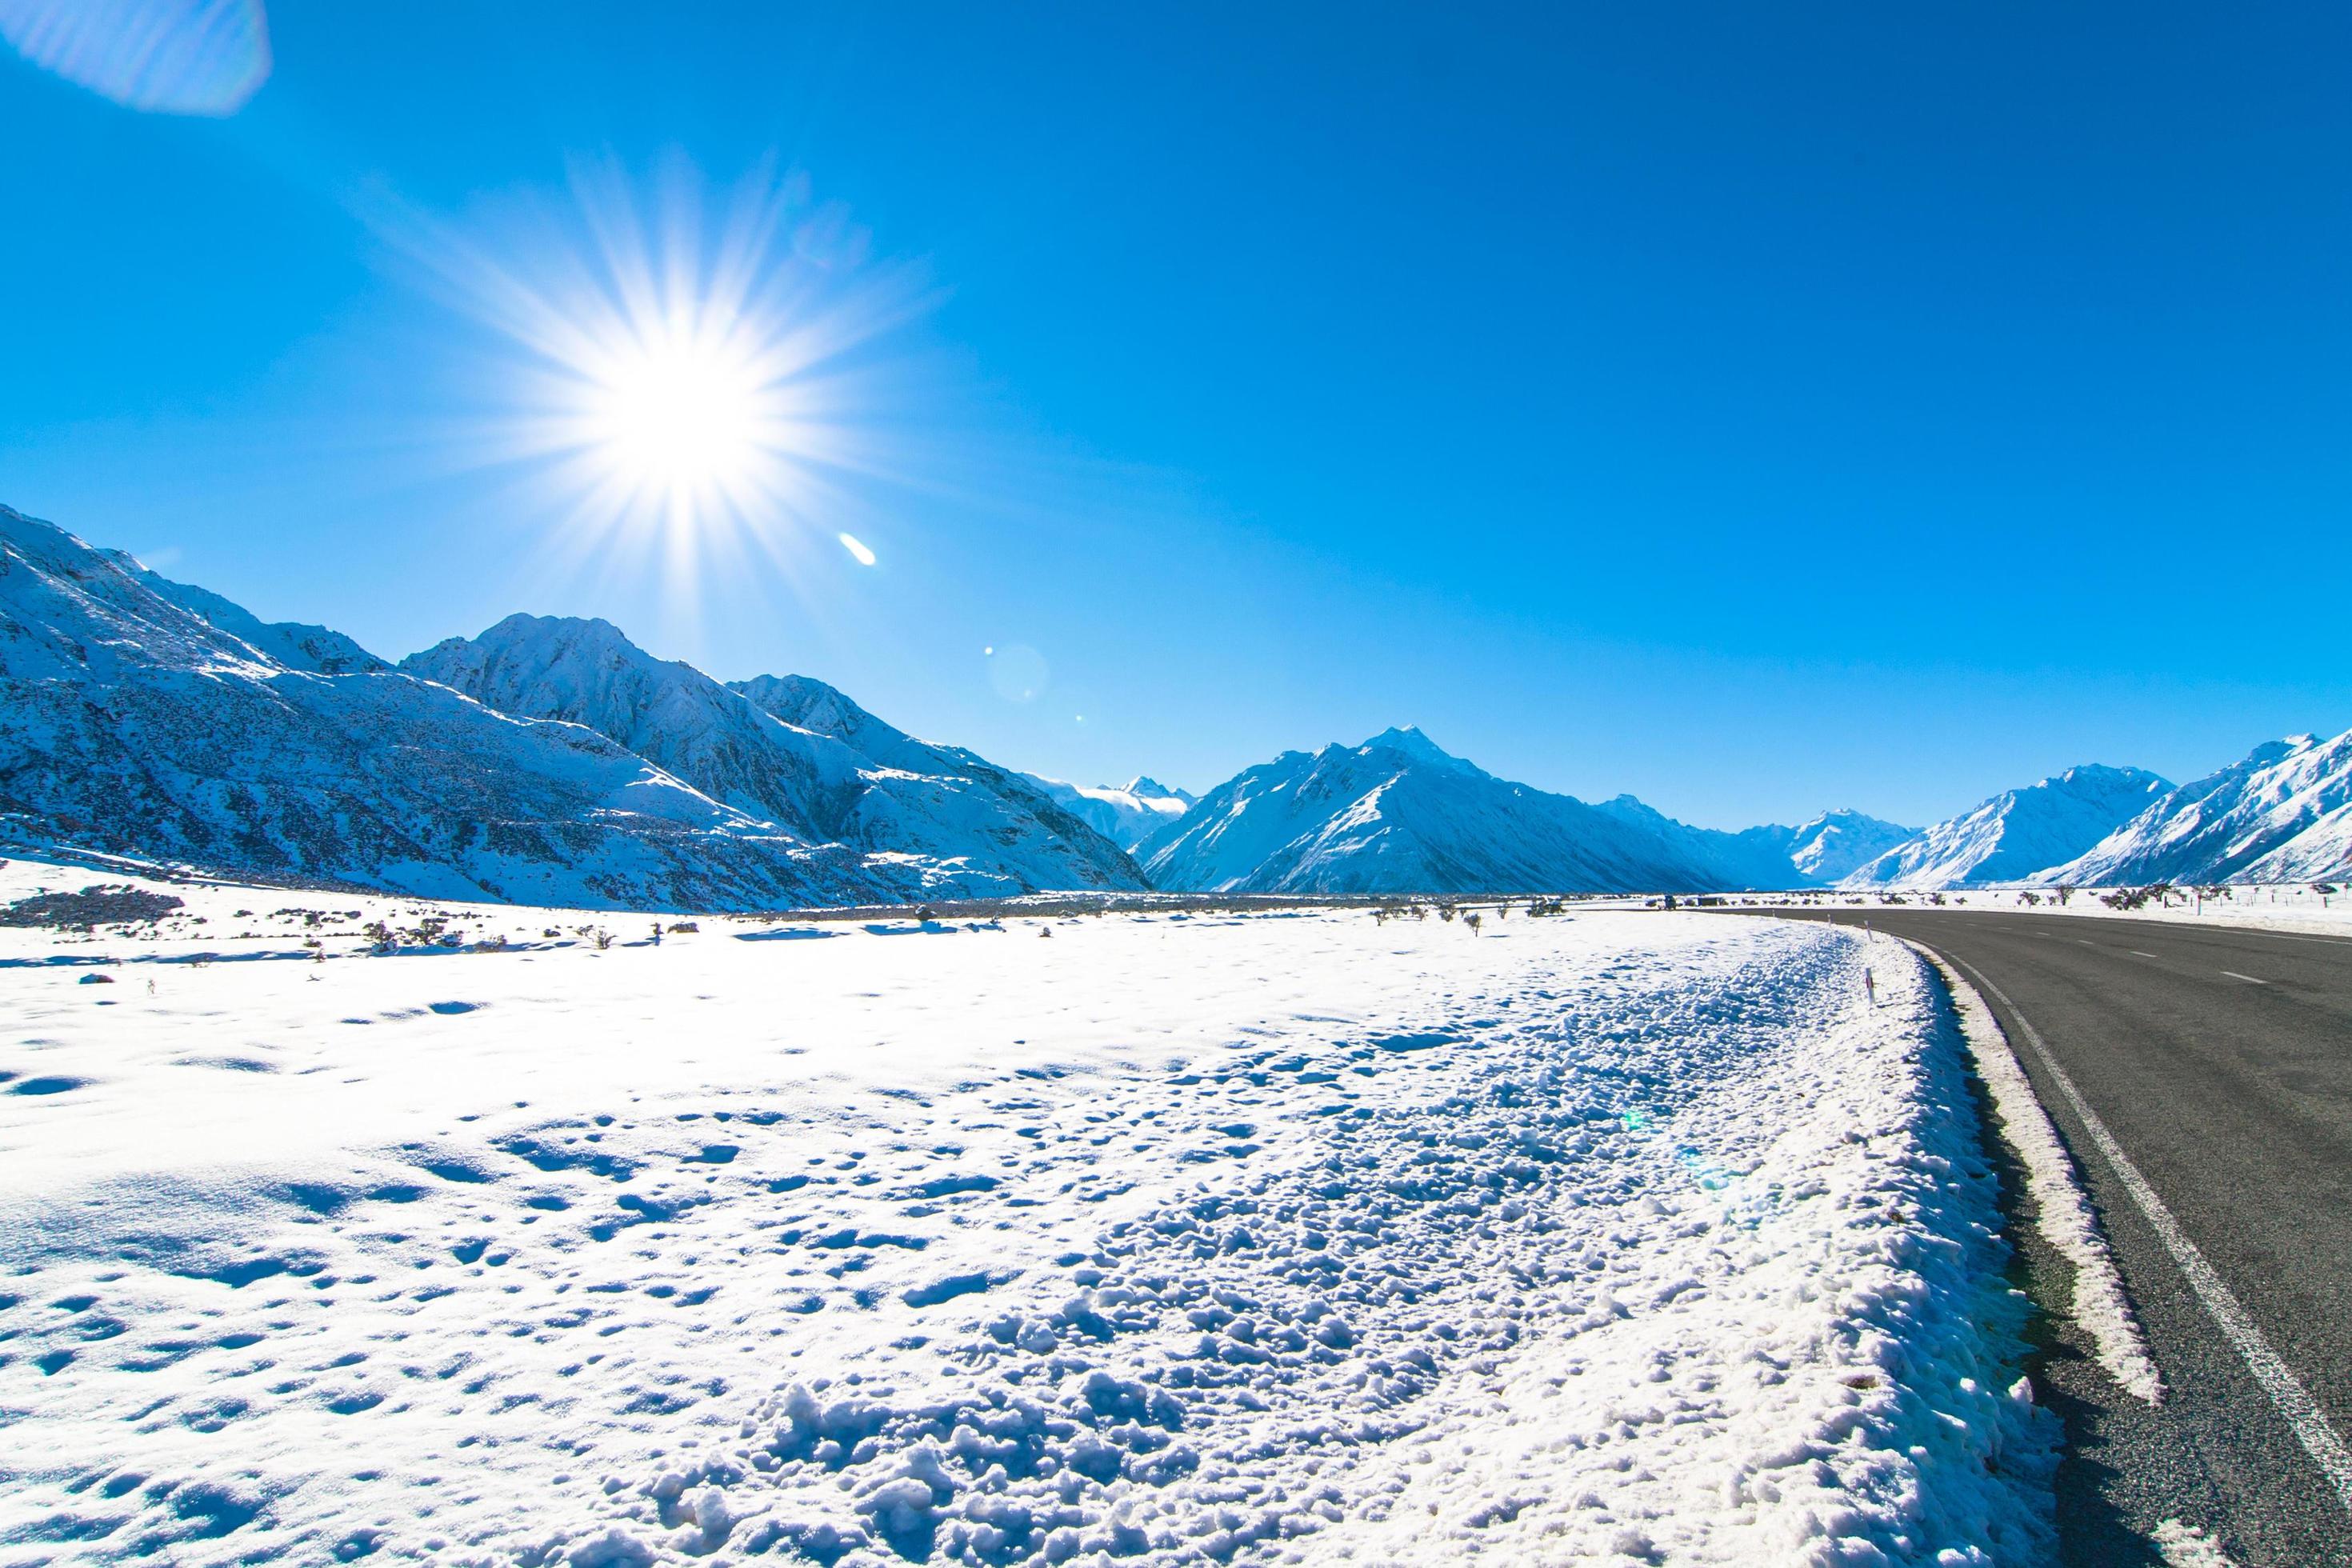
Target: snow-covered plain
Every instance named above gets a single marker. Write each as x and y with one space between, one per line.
1621 1237
2299 907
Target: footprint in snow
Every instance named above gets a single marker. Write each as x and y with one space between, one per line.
51 1085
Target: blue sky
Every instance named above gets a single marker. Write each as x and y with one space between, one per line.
1757 409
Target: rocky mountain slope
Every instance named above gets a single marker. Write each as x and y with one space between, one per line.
549 761
2018 833
942 801
1837 843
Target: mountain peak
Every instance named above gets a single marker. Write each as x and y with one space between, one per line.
1408 741
1148 788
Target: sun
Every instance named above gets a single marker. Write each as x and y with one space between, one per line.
675 414
690 385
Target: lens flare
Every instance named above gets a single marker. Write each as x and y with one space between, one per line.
169 57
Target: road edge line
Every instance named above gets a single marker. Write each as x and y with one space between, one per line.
2287 1391
2062 1211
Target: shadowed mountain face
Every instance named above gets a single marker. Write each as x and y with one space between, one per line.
148 717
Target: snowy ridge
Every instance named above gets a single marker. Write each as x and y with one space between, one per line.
1836 844
1382 817
318 649
1175 1239
2018 833
2283 814
548 760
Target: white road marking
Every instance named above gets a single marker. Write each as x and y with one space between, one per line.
2137 954
2287 1391
2231 928
2247 978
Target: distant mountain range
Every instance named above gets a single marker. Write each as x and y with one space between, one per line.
553 760
1400 815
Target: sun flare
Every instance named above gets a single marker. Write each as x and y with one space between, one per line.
690 385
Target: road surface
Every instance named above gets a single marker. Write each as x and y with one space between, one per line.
2219 1064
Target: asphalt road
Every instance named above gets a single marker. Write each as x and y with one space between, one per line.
2219 1062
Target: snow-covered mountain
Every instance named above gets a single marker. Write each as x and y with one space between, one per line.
548 760
1831 847
1126 817
949 813
671 714
2018 833
1399 815
134 723
923 798
2281 815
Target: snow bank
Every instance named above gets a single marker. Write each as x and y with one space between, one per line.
2061 1208
1275 1238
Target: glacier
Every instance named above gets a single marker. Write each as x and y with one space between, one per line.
1126 815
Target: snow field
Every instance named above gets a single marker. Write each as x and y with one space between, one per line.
1619 1238
2300 910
